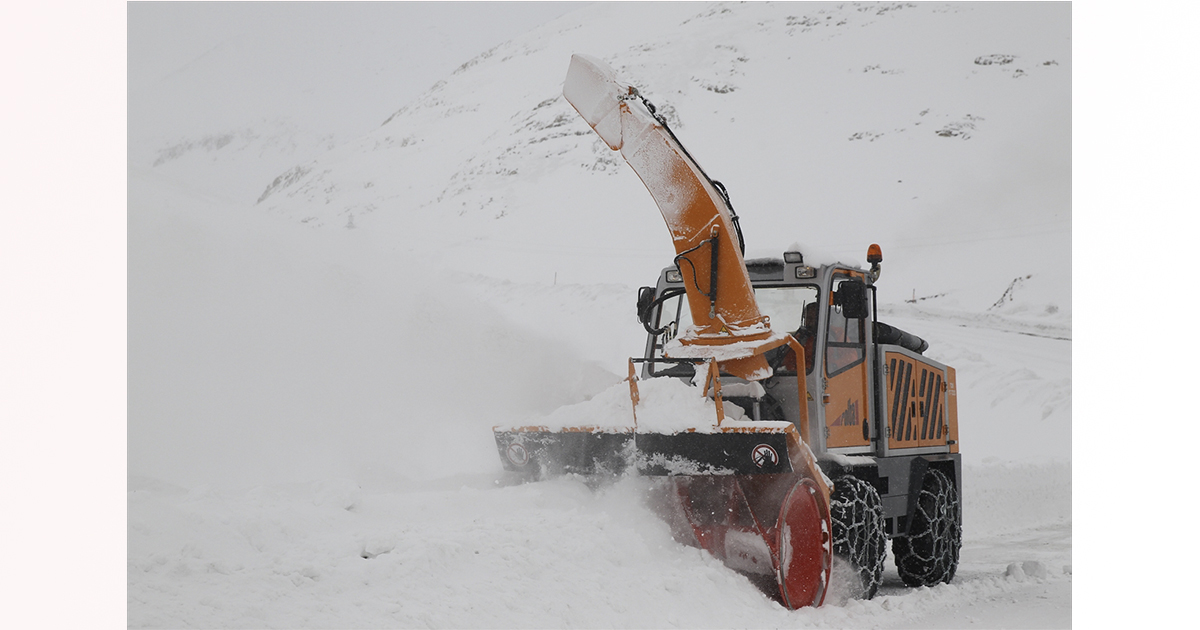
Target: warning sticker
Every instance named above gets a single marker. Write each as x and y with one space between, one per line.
763 456
517 454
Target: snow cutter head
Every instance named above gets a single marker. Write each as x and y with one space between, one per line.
749 492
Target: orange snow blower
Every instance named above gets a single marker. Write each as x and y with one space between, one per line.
787 427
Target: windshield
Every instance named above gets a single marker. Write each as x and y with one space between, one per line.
786 306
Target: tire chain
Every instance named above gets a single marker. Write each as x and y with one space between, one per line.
929 553
858 535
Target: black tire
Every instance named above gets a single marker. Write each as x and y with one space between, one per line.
858 536
928 554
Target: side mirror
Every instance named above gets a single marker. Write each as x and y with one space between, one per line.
852 297
644 300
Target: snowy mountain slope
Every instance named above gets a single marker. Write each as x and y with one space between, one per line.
229 96
301 398
809 113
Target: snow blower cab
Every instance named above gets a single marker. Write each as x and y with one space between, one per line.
761 380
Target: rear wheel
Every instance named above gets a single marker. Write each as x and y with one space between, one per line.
928 554
859 540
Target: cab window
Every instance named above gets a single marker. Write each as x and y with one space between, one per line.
845 342
790 309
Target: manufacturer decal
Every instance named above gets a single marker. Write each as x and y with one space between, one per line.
849 417
517 454
763 456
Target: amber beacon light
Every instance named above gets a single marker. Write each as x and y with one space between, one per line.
874 256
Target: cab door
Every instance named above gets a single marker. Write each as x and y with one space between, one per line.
847 395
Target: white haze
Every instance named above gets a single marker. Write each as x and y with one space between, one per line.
328 316
269 342
263 352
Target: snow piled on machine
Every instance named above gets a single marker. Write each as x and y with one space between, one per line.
667 405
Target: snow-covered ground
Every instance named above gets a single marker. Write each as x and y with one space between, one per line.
325 324
465 551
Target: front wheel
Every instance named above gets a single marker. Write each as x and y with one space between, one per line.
859 540
928 554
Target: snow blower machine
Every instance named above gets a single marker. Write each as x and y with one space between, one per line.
789 431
